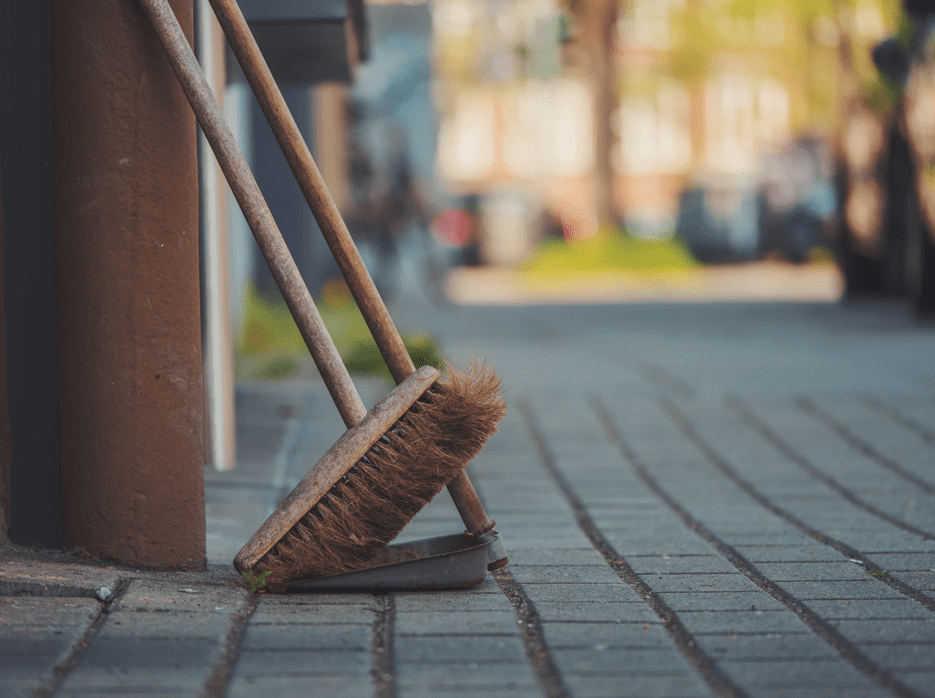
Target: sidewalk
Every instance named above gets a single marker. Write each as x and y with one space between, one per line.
698 500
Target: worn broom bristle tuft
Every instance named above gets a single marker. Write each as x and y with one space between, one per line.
410 464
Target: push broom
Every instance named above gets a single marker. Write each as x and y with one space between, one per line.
396 458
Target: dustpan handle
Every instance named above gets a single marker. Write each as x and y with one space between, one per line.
337 235
255 210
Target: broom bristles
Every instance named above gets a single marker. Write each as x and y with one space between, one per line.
424 451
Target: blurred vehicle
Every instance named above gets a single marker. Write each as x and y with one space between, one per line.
887 177
799 202
787 208
720 220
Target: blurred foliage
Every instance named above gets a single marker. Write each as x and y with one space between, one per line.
270 333
817 35
607 251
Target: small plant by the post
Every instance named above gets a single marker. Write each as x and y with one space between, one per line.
256 583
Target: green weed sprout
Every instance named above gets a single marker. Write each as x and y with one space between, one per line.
256 583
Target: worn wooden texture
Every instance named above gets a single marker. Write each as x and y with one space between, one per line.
344 454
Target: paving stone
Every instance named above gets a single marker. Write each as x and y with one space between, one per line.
147 595
134 681
721 601
39 577
308 637
921 681
821 672
470 677
799 645
289 687
901 655
606 635
574 611
564 574
869 609
686 564
433 603
605 660
304 662
637 686
810 552
740 622
602 593
486 691
456 623
313 614
864 589
921 561
454 649
41 611
812 571
914 630
663 583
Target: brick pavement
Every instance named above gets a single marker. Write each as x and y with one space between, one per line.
724 500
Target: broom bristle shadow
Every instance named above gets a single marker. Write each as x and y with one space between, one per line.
411 463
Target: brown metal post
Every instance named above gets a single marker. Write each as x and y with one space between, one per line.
5 445
126 226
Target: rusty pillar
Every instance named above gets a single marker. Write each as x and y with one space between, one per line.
5 445
126 227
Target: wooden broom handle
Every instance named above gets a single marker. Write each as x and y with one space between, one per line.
257 213
332 226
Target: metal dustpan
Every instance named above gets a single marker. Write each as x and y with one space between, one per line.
447 562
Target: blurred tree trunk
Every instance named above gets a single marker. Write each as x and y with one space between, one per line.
597 20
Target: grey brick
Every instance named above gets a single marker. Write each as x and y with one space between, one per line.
821 672
663 583
671 564
800 645
434 603
901 655
599 660
455 622
564 574
304 662
812 571
453 649
721 601
307 637
571 610
603 593
313 614
868 589
607 635
915 630
637 686
147 595
868 609
724 622
289 687
473 677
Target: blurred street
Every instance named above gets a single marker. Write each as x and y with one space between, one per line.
705 499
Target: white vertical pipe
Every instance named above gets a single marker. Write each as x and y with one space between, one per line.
219 345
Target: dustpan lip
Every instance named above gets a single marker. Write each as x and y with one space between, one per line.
454 561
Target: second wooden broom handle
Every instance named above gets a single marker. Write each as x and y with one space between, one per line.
332 226
255 210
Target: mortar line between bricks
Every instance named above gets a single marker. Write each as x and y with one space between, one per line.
710 673
80 649
747 414
896 416
222 671
540 657
382 648
724 468
824 630
810 408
